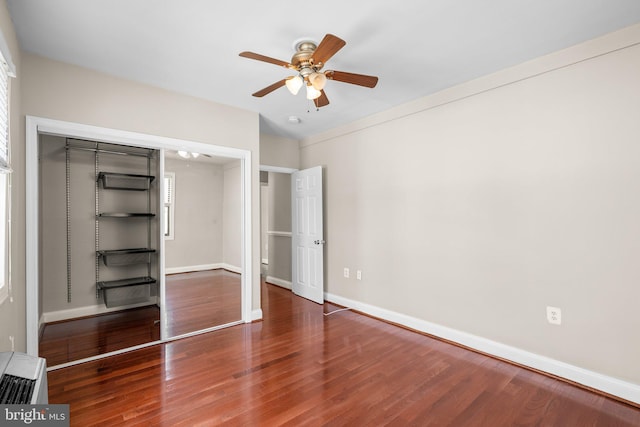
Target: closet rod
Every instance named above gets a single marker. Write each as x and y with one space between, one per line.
102 150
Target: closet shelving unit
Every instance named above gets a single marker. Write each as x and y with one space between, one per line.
124 290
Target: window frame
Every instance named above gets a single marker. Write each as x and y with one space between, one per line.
169 215
7 70
5 236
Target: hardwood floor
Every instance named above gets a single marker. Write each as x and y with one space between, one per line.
195 301
202 299
69 340
299 367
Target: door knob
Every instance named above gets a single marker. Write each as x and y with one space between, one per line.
319 242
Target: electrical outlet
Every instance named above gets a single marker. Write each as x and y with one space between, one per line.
346 272
554 315
359 274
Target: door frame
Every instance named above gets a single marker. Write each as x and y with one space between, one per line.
36 126
288 171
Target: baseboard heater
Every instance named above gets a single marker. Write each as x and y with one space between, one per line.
23 379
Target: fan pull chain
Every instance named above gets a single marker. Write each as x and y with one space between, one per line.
309 106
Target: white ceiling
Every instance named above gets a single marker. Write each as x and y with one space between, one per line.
416 47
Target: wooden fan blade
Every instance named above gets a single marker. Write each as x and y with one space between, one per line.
354 79
258 57
322 100
269 89
329 45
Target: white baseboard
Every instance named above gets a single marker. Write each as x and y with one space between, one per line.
231 268
625 390
275 281
256 314
91 310
202 267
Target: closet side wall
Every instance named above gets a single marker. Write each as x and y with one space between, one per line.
232 217
198 214
53 230
114 233
279 223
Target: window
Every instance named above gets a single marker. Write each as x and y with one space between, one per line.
4 234
169 203
6 71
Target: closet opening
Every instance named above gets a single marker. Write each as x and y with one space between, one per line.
99 248
99 256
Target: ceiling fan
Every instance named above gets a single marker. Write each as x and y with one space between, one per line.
308 62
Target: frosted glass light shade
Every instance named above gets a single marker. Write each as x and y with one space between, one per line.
294 84
183 154
318 80
313 93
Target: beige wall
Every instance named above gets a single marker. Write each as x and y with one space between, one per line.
231 216
12 317
264 221
65 92
279 151
478 207
279 220
198 214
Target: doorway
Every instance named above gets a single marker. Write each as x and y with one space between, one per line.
275 199
37 127
292 208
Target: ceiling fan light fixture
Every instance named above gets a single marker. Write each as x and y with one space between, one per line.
188 155
313 93
294 83
318 80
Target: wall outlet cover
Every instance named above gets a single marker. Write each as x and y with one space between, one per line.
554 315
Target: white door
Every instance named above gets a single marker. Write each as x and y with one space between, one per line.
307 234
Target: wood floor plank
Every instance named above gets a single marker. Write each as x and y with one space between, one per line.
195 301
301 368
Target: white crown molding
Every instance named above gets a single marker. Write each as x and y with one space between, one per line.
617 40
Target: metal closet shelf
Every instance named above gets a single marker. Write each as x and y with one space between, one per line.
146 153
126 215
122 257
111 284
125 291
125 181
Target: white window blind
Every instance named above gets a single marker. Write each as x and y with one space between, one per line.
4 117
169 206
5 169
168 188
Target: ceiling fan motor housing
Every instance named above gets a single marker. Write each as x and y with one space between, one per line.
302 58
